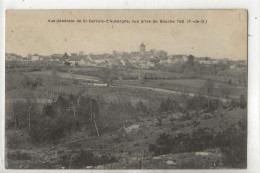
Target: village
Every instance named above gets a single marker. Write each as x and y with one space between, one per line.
139 59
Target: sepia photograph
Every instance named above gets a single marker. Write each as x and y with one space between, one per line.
126 89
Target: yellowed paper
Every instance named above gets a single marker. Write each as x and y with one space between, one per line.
126 89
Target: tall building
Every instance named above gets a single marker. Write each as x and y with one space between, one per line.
142 48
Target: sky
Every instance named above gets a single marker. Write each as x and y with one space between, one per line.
223 36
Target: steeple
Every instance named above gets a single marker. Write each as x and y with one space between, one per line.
142 48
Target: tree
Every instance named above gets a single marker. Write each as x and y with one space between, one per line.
74 104
89 110
29 56
169 105
29 116
153 51
172 119
208 89
162 54
190 61
65 55
242 102
159 118
94 111
225 91
18 111
141 107
54 76
155 60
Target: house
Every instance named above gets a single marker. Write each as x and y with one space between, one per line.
74 60
47 58
83 62
177 59
11 57
25 59
234 66
35 57
41 58
208 62
74 54
56 57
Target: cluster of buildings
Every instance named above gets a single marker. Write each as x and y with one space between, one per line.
139 59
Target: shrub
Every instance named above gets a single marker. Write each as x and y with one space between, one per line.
202 139
66 114
232 142
198 103
84 158
29 83
169 105
18 156
240 103
236 152
141 107
185 117
166 144
13 141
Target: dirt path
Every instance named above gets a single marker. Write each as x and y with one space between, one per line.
169 91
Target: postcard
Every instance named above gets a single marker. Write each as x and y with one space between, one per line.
126 89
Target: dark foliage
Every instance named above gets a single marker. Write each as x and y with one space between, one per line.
141 107
198 103
240 103
18 156
232 142
170 105
66 114
84 158
29 83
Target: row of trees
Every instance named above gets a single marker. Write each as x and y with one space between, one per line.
67 114
198 103
70 113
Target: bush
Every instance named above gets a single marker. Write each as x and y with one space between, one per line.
48 129
185 117
83 158
166 144
240 103
202 139
13 141
141 107
29 83
66 114
198 103
232 142
169 105
18 156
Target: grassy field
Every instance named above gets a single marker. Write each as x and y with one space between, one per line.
118 148
186 85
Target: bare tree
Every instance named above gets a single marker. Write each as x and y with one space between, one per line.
225 91
208 88
95 123
54 76
74 104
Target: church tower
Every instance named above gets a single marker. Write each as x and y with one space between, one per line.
142 48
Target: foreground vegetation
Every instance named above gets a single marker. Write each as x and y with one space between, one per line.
79 125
